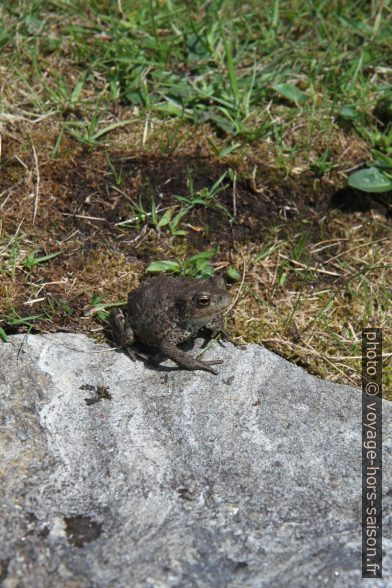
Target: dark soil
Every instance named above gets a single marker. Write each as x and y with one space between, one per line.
80 193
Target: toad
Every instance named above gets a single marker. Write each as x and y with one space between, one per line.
166 311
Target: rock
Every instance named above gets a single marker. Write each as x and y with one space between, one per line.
115 474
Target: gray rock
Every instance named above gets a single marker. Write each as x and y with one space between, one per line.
181 479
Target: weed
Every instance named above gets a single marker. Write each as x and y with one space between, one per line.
323 165
98 308
170 219
197 266
206 197
13 320
31 260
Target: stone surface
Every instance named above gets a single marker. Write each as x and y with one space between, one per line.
146 478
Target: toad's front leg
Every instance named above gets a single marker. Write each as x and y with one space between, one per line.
216 327
187 361
123 334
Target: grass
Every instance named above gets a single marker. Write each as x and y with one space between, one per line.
152 132
221 62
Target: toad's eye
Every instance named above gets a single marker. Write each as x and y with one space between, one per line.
203 301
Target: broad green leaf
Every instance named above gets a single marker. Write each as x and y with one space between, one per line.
290 92
370 180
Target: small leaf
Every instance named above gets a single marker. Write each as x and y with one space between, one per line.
163 266
178 218
227 150
282 278
290 92
116 125
103 315
202 255
348 113
30 261
204 269
222 123
233 274
201 265
165 218
370 180
97 298
172 108
76 92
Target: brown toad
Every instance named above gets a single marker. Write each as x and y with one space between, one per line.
165 311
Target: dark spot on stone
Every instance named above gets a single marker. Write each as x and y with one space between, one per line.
240 566
101 392
257 402
43 533
185 494
87 387
81 529
35 527
90 401
229 380
4 568
30 516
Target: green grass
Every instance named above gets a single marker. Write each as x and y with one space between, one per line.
249 70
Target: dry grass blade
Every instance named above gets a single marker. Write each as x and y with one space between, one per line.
37 183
